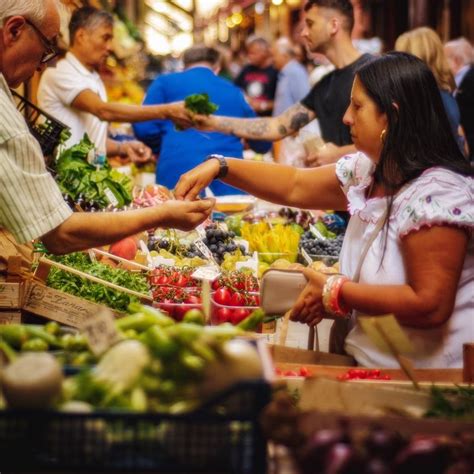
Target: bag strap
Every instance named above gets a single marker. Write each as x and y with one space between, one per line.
378 226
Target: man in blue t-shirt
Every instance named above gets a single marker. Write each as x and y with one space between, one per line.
180 151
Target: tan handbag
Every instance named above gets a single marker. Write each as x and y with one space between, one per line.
279 290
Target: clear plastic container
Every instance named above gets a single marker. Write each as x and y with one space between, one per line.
176 310
231 314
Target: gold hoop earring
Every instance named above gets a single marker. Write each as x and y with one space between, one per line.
383 135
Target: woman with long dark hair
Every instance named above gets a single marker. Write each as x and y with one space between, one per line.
408 249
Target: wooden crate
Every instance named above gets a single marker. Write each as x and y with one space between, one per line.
10 295
10 317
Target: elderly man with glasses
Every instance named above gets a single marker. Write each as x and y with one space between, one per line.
31 204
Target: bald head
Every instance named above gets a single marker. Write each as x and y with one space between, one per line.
283 52
459 53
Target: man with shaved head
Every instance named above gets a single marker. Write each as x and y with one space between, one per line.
31 204
460 54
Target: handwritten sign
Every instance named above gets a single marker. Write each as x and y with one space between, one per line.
100 331
58 306
10 295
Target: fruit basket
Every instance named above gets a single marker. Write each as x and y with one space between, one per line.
48 131
222 436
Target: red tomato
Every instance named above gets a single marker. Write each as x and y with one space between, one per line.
216 284
304 372
237 300
179 312
192 299
163 280
290 373
154 280
222 296
238 315
181 281
254 300
223 315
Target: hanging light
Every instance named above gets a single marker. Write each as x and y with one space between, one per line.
259 8
277 2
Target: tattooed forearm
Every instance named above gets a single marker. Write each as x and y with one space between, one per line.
299 120
247 128
282 130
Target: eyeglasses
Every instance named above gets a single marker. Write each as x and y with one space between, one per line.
50 51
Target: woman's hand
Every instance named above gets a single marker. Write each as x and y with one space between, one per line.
309 307
190 184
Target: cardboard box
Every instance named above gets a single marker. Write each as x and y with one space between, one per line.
59 306
291 355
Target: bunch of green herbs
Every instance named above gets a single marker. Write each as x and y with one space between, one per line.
77 178
78 286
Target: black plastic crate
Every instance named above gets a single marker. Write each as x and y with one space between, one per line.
221 437
45 128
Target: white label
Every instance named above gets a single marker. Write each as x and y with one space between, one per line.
243 242
159 261
305 255
201 231
110 196
204 249
207 273
316 232
251 263
100 331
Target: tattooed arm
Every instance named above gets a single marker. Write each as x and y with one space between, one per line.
271 128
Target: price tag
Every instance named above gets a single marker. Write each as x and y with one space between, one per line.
100 331
206 273
201 231
307 258
251 263
110 196
204 249
316 232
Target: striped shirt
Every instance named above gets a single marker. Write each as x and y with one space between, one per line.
31 204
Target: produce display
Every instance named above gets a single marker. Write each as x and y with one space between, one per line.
272 242
88 186
89 290
160 365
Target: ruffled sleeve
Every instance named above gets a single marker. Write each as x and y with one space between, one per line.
437 197
355 175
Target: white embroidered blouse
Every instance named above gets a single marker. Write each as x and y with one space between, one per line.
438 196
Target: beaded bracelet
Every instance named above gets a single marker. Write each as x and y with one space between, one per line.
331 296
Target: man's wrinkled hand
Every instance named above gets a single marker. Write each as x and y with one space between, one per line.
326 155
186 215
137 151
